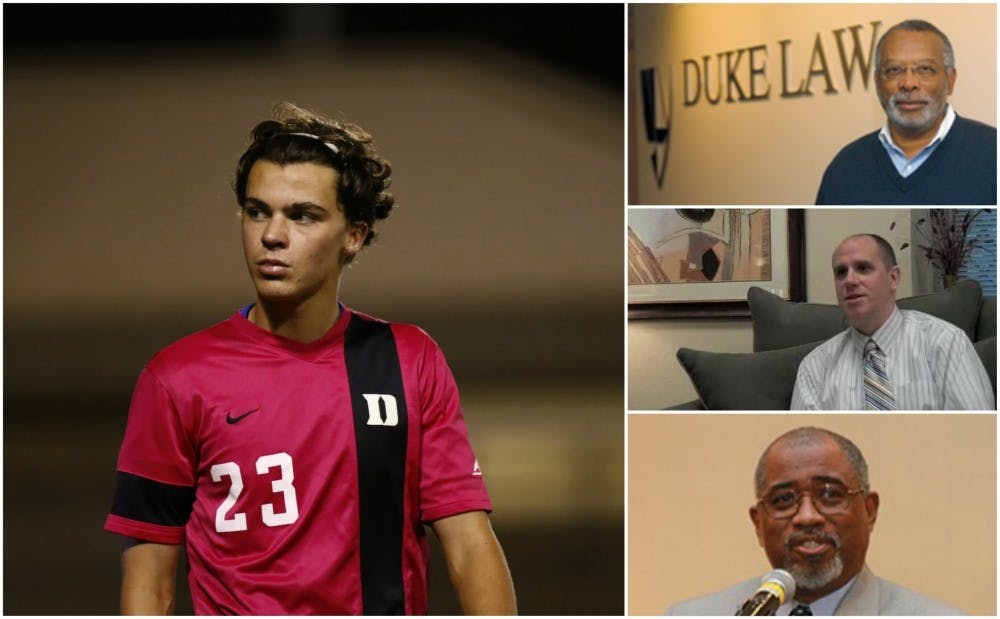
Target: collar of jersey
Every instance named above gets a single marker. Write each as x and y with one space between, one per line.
306 350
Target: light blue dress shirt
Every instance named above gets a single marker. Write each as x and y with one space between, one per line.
823 607
905 166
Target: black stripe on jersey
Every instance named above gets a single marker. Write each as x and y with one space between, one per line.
145 500
373 368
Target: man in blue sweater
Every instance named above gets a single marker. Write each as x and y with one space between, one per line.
925 153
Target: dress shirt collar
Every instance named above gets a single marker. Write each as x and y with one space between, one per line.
885 336
886 137
825 606
904 165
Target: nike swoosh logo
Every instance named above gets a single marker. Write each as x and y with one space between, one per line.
231 420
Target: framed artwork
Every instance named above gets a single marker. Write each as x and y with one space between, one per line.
700 263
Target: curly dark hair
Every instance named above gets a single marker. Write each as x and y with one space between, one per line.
363 178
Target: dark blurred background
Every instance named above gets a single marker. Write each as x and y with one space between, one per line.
504 126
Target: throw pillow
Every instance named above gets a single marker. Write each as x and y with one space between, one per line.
987 350
744 381
779 324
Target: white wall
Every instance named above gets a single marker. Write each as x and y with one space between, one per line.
656 379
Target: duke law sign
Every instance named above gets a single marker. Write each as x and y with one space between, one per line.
745 74
741 75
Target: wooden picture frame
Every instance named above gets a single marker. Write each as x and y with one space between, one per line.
727 299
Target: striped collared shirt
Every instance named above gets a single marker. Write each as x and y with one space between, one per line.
904 165
931 366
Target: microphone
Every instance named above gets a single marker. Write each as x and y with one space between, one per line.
774 589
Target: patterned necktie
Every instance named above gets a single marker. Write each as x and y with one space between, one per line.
802 609
878 392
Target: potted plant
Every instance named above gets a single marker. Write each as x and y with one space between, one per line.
946 243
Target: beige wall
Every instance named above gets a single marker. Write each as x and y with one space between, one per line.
690 487
656 379
775 151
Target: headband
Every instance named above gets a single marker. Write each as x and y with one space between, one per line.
316 137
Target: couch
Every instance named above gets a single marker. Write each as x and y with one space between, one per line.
785 332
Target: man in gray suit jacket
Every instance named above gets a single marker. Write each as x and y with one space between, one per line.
814 515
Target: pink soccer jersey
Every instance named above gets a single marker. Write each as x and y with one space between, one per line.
299 475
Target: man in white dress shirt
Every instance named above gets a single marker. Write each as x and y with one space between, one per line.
889 359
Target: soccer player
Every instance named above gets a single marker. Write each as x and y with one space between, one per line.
299 447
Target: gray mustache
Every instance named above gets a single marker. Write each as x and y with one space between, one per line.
901 98
808 534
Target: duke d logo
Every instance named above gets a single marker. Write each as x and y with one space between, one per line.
375 415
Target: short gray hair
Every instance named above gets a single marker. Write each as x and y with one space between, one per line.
918 25
810 436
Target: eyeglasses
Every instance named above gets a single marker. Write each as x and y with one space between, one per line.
894 73
828 499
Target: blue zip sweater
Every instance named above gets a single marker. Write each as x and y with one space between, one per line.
962 170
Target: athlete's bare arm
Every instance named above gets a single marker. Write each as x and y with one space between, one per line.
476 564
149 578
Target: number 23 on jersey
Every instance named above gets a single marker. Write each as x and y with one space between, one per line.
228 523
